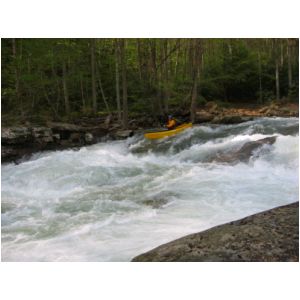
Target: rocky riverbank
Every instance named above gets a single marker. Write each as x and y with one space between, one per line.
272 235
21 141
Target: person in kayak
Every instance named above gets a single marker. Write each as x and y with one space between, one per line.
171 123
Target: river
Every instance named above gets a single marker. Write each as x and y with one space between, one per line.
112 201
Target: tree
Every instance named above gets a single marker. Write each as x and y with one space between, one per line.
117 63
93 67
63 78
196 62
124 82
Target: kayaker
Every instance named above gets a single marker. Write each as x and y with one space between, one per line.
171 123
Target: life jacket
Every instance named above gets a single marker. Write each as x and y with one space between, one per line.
171 124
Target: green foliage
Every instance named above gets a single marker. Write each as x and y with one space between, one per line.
158 70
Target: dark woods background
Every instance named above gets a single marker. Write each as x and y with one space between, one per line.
63 79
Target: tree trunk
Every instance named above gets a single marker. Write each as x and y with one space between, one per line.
260 80
82 94
277 80
177 58
101 89
196 62
166 77
194 98
290 78
124 83
281 53
17 79
139 50
65 88
117 58
93 67
155 80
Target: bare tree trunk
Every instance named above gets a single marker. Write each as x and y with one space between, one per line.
82 93
101 89
65 88
94 92
260 80
139 58
290 78
124 83
277 80
177 58
117 58
196 62
166 77
194 99
155 81
58 86
281 53
17 79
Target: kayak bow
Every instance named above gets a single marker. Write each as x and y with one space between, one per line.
165 133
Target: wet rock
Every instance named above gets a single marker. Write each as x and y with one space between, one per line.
56 137
155 203
272 235
20 141
42 135
75 137
38 132
8 153
16 135
89 138
245 152
123 134
47 139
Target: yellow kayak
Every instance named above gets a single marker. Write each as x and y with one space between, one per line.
165 133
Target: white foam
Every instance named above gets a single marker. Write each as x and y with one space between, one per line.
91 204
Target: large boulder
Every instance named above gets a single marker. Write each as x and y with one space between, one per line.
272 235
245 152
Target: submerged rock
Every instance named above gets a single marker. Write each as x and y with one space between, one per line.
245 152
272 235
155 203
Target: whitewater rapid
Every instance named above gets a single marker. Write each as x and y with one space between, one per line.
115 200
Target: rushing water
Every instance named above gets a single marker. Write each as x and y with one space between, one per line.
114 200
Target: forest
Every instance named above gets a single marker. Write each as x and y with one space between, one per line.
63 79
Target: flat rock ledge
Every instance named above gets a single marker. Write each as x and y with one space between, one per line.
272 235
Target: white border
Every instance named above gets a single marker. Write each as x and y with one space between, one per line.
163 18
